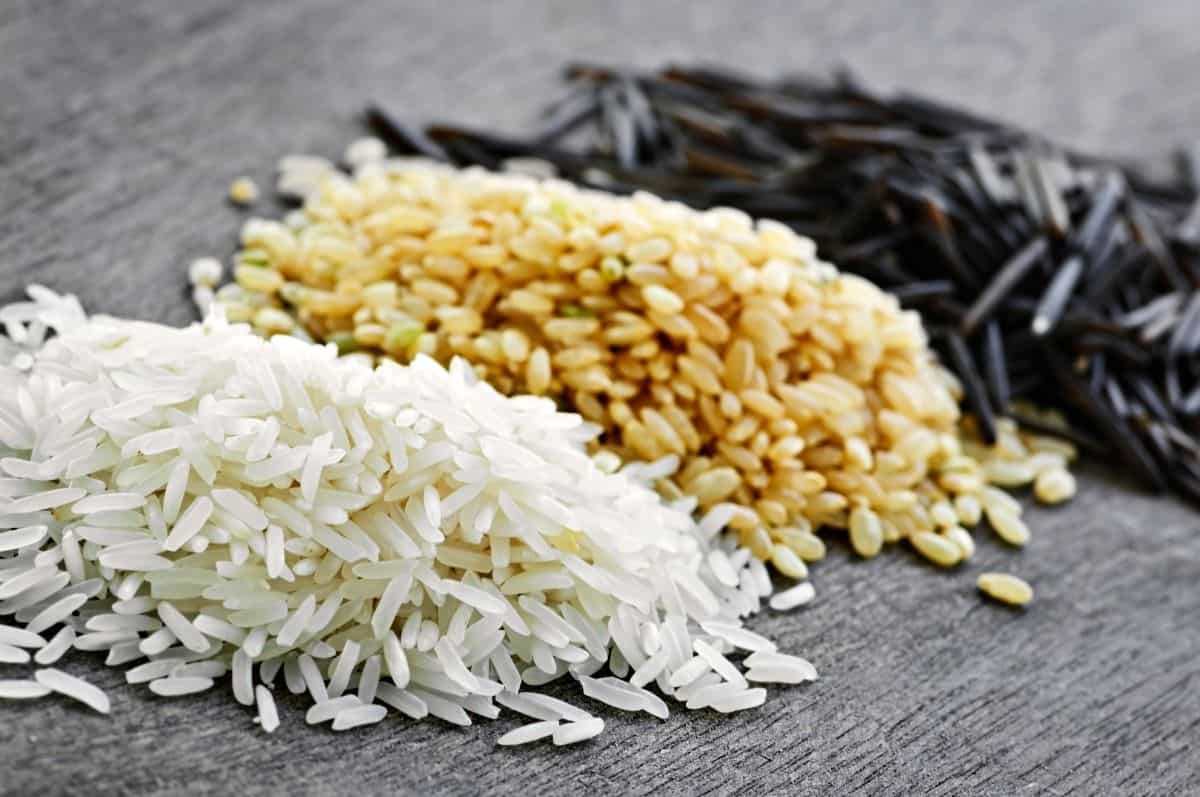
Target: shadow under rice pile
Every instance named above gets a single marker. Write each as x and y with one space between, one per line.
202 503
795 397
1043 274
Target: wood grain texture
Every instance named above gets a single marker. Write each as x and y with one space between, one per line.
121 125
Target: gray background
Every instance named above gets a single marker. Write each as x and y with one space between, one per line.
121 125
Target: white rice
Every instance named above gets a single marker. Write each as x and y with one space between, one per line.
157 642
368 683
343 668
75 688
715 693
243 678
229 501
149 671
529 733
750 698
50 499
59 644
268 670
779 668
358 716
22 538
20 637
208 668
441 707
326 710
574 732
792 597
174 687
719 664
107 502
268 716
405 702
11 654
123 653
623 695
22 690
182 628
119 622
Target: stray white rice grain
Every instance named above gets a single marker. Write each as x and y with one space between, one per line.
268 715
75 688
792 597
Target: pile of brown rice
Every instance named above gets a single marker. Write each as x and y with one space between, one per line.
798 397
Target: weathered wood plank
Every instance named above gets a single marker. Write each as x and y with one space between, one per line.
121 125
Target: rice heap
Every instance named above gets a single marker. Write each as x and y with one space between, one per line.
201 502
797 397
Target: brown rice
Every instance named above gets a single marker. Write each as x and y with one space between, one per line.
804 395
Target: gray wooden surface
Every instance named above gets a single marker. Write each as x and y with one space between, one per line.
121 124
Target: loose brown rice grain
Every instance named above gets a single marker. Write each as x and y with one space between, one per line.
1053 486
243 191
1005 588
937 549
962 539
866 532
1009 526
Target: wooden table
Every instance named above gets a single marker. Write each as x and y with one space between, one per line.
121 126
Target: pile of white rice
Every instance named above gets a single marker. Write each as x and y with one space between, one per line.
201 502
